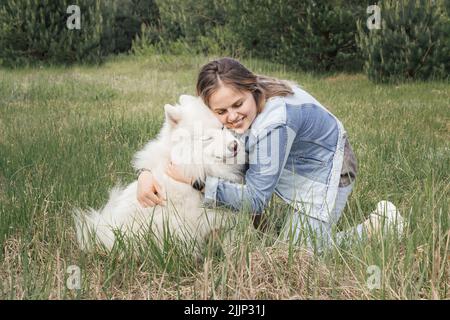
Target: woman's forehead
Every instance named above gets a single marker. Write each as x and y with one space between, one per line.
224 97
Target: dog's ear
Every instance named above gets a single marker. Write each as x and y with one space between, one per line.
187 99
173 114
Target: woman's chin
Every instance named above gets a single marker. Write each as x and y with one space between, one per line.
239 130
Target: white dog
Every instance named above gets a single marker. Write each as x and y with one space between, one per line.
198 143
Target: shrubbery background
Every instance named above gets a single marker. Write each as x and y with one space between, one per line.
313 35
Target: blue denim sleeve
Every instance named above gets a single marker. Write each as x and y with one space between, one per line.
267 155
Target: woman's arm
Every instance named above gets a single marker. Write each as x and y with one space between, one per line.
268 153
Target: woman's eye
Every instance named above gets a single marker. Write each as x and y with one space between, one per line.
220 112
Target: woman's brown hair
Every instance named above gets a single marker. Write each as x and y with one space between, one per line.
230 72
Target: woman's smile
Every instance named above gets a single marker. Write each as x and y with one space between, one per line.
238 122
235 109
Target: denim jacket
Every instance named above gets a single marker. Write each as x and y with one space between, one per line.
295 148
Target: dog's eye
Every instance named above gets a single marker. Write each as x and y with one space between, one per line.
205 139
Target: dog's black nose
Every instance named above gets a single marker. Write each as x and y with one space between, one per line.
233 146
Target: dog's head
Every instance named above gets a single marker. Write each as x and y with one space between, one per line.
200 144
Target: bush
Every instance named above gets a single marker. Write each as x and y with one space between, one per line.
312 35
129 17
188 27
34 31
413 42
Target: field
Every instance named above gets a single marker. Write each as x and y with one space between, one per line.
67 135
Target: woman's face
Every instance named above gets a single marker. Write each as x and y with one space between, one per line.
235 109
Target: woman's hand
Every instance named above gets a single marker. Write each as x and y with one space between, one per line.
149 192
175 173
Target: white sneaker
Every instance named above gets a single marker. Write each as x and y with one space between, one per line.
388 216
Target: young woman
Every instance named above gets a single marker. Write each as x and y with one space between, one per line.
296 148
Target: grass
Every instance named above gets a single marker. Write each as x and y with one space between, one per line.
67 135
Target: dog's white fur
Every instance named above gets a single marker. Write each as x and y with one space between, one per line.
196 141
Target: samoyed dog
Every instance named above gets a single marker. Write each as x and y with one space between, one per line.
197 142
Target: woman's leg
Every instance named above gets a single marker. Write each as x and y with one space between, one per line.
317 234
385 218
314 233
341 201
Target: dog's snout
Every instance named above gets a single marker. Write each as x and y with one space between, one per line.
233 146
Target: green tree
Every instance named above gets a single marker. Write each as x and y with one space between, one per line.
35 30
413 42
129 16
314 35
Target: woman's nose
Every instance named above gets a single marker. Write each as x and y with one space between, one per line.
232 116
